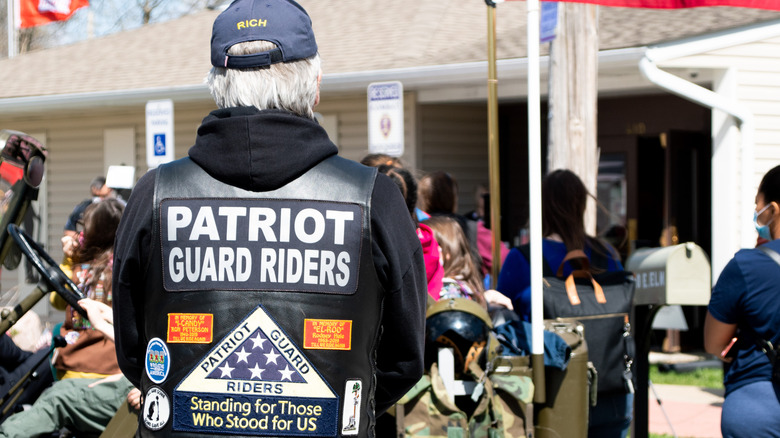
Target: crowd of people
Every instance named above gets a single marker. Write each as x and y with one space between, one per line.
86 374
457 268
379 246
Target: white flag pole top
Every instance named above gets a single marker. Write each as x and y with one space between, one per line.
12 23
535 178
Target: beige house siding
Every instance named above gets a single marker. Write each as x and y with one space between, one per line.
750 74
450 137
758 87
351 113
757 68
351 118
75 145
454 139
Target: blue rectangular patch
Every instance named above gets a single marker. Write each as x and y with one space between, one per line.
254 415
260 244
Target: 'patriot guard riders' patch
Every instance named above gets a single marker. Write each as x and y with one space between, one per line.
260 244
256 382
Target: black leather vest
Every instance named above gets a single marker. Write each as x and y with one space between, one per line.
263 310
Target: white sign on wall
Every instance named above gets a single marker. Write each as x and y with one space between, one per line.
120 177
159 132
386 118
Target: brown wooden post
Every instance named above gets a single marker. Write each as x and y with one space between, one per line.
573 94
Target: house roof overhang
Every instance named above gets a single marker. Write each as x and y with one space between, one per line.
463 79
446 82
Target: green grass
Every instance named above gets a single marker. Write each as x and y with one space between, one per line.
702 377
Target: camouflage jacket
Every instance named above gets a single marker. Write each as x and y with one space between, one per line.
501 410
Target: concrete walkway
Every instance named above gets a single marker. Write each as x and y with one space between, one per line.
684 411
688 411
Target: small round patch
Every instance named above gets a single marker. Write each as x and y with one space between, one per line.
157 361
72 337
157 409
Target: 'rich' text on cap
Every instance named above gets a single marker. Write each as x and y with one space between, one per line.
282 22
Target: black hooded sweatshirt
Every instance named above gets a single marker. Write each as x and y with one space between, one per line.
260 151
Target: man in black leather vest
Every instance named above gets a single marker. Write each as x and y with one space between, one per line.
265 286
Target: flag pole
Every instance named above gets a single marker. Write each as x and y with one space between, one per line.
534 177
11 23
535 200
495 180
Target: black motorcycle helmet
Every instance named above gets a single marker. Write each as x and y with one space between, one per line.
460 324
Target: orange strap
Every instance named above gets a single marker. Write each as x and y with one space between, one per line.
571 291
571 288
574 255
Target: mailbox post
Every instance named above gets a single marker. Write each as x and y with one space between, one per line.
670 275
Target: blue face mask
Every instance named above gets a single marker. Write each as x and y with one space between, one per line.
763 230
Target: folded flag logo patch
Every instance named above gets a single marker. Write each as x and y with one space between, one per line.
256 381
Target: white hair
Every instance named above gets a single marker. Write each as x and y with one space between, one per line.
290 86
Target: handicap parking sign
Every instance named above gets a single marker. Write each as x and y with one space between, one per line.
159 132
159 145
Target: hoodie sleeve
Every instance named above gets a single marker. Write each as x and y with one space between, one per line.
400 267
131 257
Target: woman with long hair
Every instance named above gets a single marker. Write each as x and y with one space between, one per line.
564 198
92 273
90 383
462 279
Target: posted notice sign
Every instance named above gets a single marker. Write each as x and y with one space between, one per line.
159 132
386 118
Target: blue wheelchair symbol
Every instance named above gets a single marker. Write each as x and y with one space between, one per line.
159 145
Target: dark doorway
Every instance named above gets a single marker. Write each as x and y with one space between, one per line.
632 172
667 180
690 203
649 192
513 163
668 201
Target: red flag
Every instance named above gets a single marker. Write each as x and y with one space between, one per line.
678 4
38 12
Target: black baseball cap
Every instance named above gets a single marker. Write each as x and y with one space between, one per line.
282 22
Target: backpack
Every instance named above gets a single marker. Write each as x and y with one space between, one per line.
501 410
603 302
